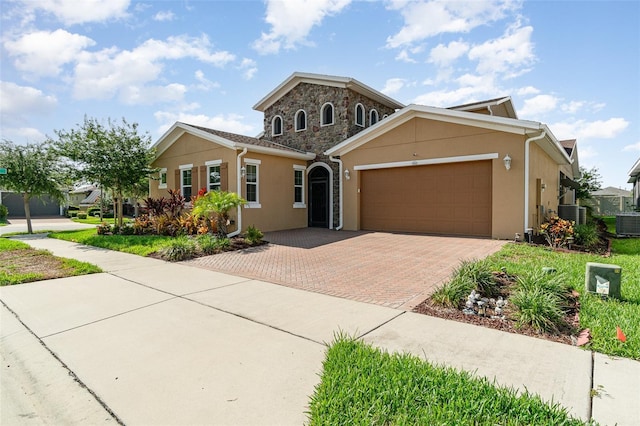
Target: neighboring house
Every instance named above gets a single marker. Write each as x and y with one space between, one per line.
610 201
634 178
78 194
338 154
38 206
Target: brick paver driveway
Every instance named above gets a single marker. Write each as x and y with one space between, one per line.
394 270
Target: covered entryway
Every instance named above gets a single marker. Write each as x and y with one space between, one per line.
319 197
448 199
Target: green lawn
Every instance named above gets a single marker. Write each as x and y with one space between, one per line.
142 245
361 385
600 316
19 263
96 220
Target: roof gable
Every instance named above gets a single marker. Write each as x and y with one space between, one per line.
324 80
522 127
227 140
501 107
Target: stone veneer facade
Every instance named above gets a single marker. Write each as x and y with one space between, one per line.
317 138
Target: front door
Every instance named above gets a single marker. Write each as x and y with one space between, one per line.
319 198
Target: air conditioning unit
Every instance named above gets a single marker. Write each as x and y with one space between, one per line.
582 215
603 279
569 212
628 224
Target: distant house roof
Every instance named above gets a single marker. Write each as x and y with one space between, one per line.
92 198
325 80
228 140
502 107
569 146
82 188
611 191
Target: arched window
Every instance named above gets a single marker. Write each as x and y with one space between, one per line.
301 120
326 114
359 115
276 126
373 117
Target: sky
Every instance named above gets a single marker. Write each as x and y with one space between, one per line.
573 65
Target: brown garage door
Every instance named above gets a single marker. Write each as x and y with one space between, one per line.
452 199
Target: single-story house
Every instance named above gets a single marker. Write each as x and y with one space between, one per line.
338 154
610 201
38 206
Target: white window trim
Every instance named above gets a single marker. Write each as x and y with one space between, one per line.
295 120
160 184
254 204
364 115
273 123
371 112
209 164
333 114
302 169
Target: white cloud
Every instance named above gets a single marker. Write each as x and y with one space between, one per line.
44 52
508 55
424 19
103 74
164 16
582 129
632 147
442 55
393 85
205 84
22 134
248 67
404 57
137 95
16 100
292 20
528 90
538 105
72 12
573 107
226 122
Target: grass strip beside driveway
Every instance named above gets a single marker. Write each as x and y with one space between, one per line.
142 245
361 385
19 263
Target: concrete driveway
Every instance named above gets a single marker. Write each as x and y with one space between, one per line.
393 270
49 223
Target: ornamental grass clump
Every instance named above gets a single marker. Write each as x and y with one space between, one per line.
180 248
537 308
453 292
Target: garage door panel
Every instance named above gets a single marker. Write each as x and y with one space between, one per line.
441 199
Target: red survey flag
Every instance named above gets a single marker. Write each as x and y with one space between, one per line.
620 334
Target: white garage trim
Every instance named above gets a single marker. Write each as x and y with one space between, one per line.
442 160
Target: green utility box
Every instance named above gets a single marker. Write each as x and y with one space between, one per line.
603 279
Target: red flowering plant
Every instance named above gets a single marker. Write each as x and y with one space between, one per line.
558 232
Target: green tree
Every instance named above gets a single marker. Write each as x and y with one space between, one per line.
33 170
589 181
115 155
218 204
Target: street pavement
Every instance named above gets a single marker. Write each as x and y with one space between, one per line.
152 342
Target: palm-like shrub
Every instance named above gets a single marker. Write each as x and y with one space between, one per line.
217 204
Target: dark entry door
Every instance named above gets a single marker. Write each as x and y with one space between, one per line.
319 197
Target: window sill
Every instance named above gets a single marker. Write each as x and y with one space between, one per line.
299 206
252 206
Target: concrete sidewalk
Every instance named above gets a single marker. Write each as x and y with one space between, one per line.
157 342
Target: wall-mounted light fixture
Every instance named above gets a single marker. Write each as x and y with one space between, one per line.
347 175
243 171
507 162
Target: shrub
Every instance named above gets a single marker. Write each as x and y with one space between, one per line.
181 248
72 214
4 212
253 235
453 292
555 284
224 243
587 235
537 308
82 215
127 229
104 229
208 243
557 231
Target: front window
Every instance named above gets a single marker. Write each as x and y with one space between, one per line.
298 186
162 182
276 126
373 117
214 178
252 183
360 115
326 114
301 120
185 186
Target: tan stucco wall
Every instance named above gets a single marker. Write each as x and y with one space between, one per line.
275 181
544 168
426 139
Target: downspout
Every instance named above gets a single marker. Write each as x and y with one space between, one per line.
239 186
527 143
339 161
489 108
